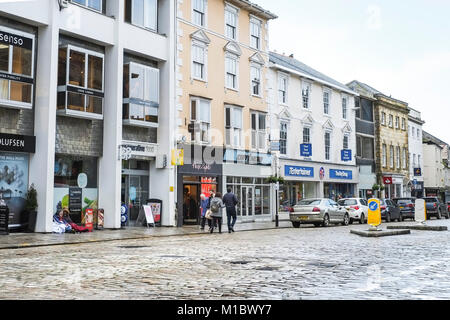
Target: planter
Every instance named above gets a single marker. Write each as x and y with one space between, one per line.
32 216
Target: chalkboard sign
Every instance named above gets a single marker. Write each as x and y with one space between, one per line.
4 220
75 198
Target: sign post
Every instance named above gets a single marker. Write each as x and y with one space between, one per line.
374 215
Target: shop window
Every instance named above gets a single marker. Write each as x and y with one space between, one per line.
80 83
142 13
140 95
16 68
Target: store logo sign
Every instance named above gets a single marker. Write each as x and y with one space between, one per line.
295 171
306 150
341 174
17 143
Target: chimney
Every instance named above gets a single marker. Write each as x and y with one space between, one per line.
291 56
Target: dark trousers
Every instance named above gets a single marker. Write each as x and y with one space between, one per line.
204 222
231 217
216 221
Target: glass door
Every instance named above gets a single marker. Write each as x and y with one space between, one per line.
248 204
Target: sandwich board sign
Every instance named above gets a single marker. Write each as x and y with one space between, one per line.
374 215
420 214
149 215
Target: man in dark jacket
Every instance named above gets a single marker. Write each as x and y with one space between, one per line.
230 201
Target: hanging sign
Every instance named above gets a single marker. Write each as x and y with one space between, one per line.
306 150
178 157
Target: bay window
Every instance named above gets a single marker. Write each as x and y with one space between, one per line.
16 68
233 126
80 82
201 118
258 121
142 13
140 95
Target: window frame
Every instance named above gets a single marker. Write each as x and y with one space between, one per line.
205 14
326 106
256 21
231 127
308 97
327 153
285 124
235 58
142 101
200 122
308 135
204 47
144 26
397 122
63 88
87 6
259 67
282 77
391 121
398 162
383 118
12 103
391 156
384 155
344 98
345 141
258 135
235 11
403 124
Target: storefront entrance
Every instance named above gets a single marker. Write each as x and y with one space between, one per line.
193 187
248 196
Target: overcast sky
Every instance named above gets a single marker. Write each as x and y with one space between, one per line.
401 48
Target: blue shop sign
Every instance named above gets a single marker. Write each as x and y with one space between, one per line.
346 155
417 172
341 174
306 150
294 171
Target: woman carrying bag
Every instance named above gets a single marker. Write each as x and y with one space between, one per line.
216 207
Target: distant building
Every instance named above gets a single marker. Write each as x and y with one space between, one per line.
415 186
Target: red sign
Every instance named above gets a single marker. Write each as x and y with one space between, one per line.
387 180
89 219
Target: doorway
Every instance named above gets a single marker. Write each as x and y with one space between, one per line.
248 205
191 206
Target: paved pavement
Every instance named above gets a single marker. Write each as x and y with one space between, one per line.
305 263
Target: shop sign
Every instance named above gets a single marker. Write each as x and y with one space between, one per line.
17 143
387 180
295 171
417 172
14 77
86 91
201 169
346 155
140 150
274 146
75 202
306 150
247 157
177 157
341 174
15 40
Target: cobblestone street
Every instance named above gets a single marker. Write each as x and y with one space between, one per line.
305 263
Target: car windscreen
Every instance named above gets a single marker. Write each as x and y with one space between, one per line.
309 202
347 202
403 201
429 199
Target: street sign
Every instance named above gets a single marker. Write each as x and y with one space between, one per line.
374 218
346 155
274 146
420 211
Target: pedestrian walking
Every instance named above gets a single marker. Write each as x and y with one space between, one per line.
230 201
204 204
216 207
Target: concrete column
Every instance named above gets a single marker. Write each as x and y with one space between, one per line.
110 166
43 161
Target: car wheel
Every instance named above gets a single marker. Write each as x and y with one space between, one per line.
346 220
362 219
326 221
439 215
350 221
296 224
388 217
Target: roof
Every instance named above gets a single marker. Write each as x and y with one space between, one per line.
254 8
374 92
426 137
300 67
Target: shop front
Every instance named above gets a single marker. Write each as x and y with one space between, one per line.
15 153
394 187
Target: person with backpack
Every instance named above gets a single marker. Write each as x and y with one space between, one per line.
230 201
216 207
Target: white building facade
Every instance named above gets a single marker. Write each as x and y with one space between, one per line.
313 118
86 93
415 146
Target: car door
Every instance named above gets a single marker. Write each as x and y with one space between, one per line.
365 206
337 213
393 209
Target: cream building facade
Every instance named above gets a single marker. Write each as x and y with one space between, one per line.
221 73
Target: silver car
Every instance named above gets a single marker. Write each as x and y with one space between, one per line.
318 211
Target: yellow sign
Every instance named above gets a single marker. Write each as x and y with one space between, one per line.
374 218
177 157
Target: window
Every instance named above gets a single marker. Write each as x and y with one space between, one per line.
391 156
258 130
283 137
365 147
198 61
418 159
306 135
306 89
81 90
398 157
201 117
397 122
403 124
344 107
326 101
255 33
345 142
327 145
143 13
255 74
233 126
384 155
383 118
391 119
199 12
418 133
16 68
93 4
140 95
414 160
231 22
404 158
231 65
282 89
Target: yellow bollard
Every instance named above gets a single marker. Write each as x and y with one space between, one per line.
374 215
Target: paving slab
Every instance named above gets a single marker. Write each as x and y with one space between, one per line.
382 233
420 227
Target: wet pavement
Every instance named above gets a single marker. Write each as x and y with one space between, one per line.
286 263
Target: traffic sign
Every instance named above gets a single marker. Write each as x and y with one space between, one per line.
374 218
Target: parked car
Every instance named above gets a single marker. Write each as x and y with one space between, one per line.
357 209
448 206
390 211
286 206
435 208
407 207
318 211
